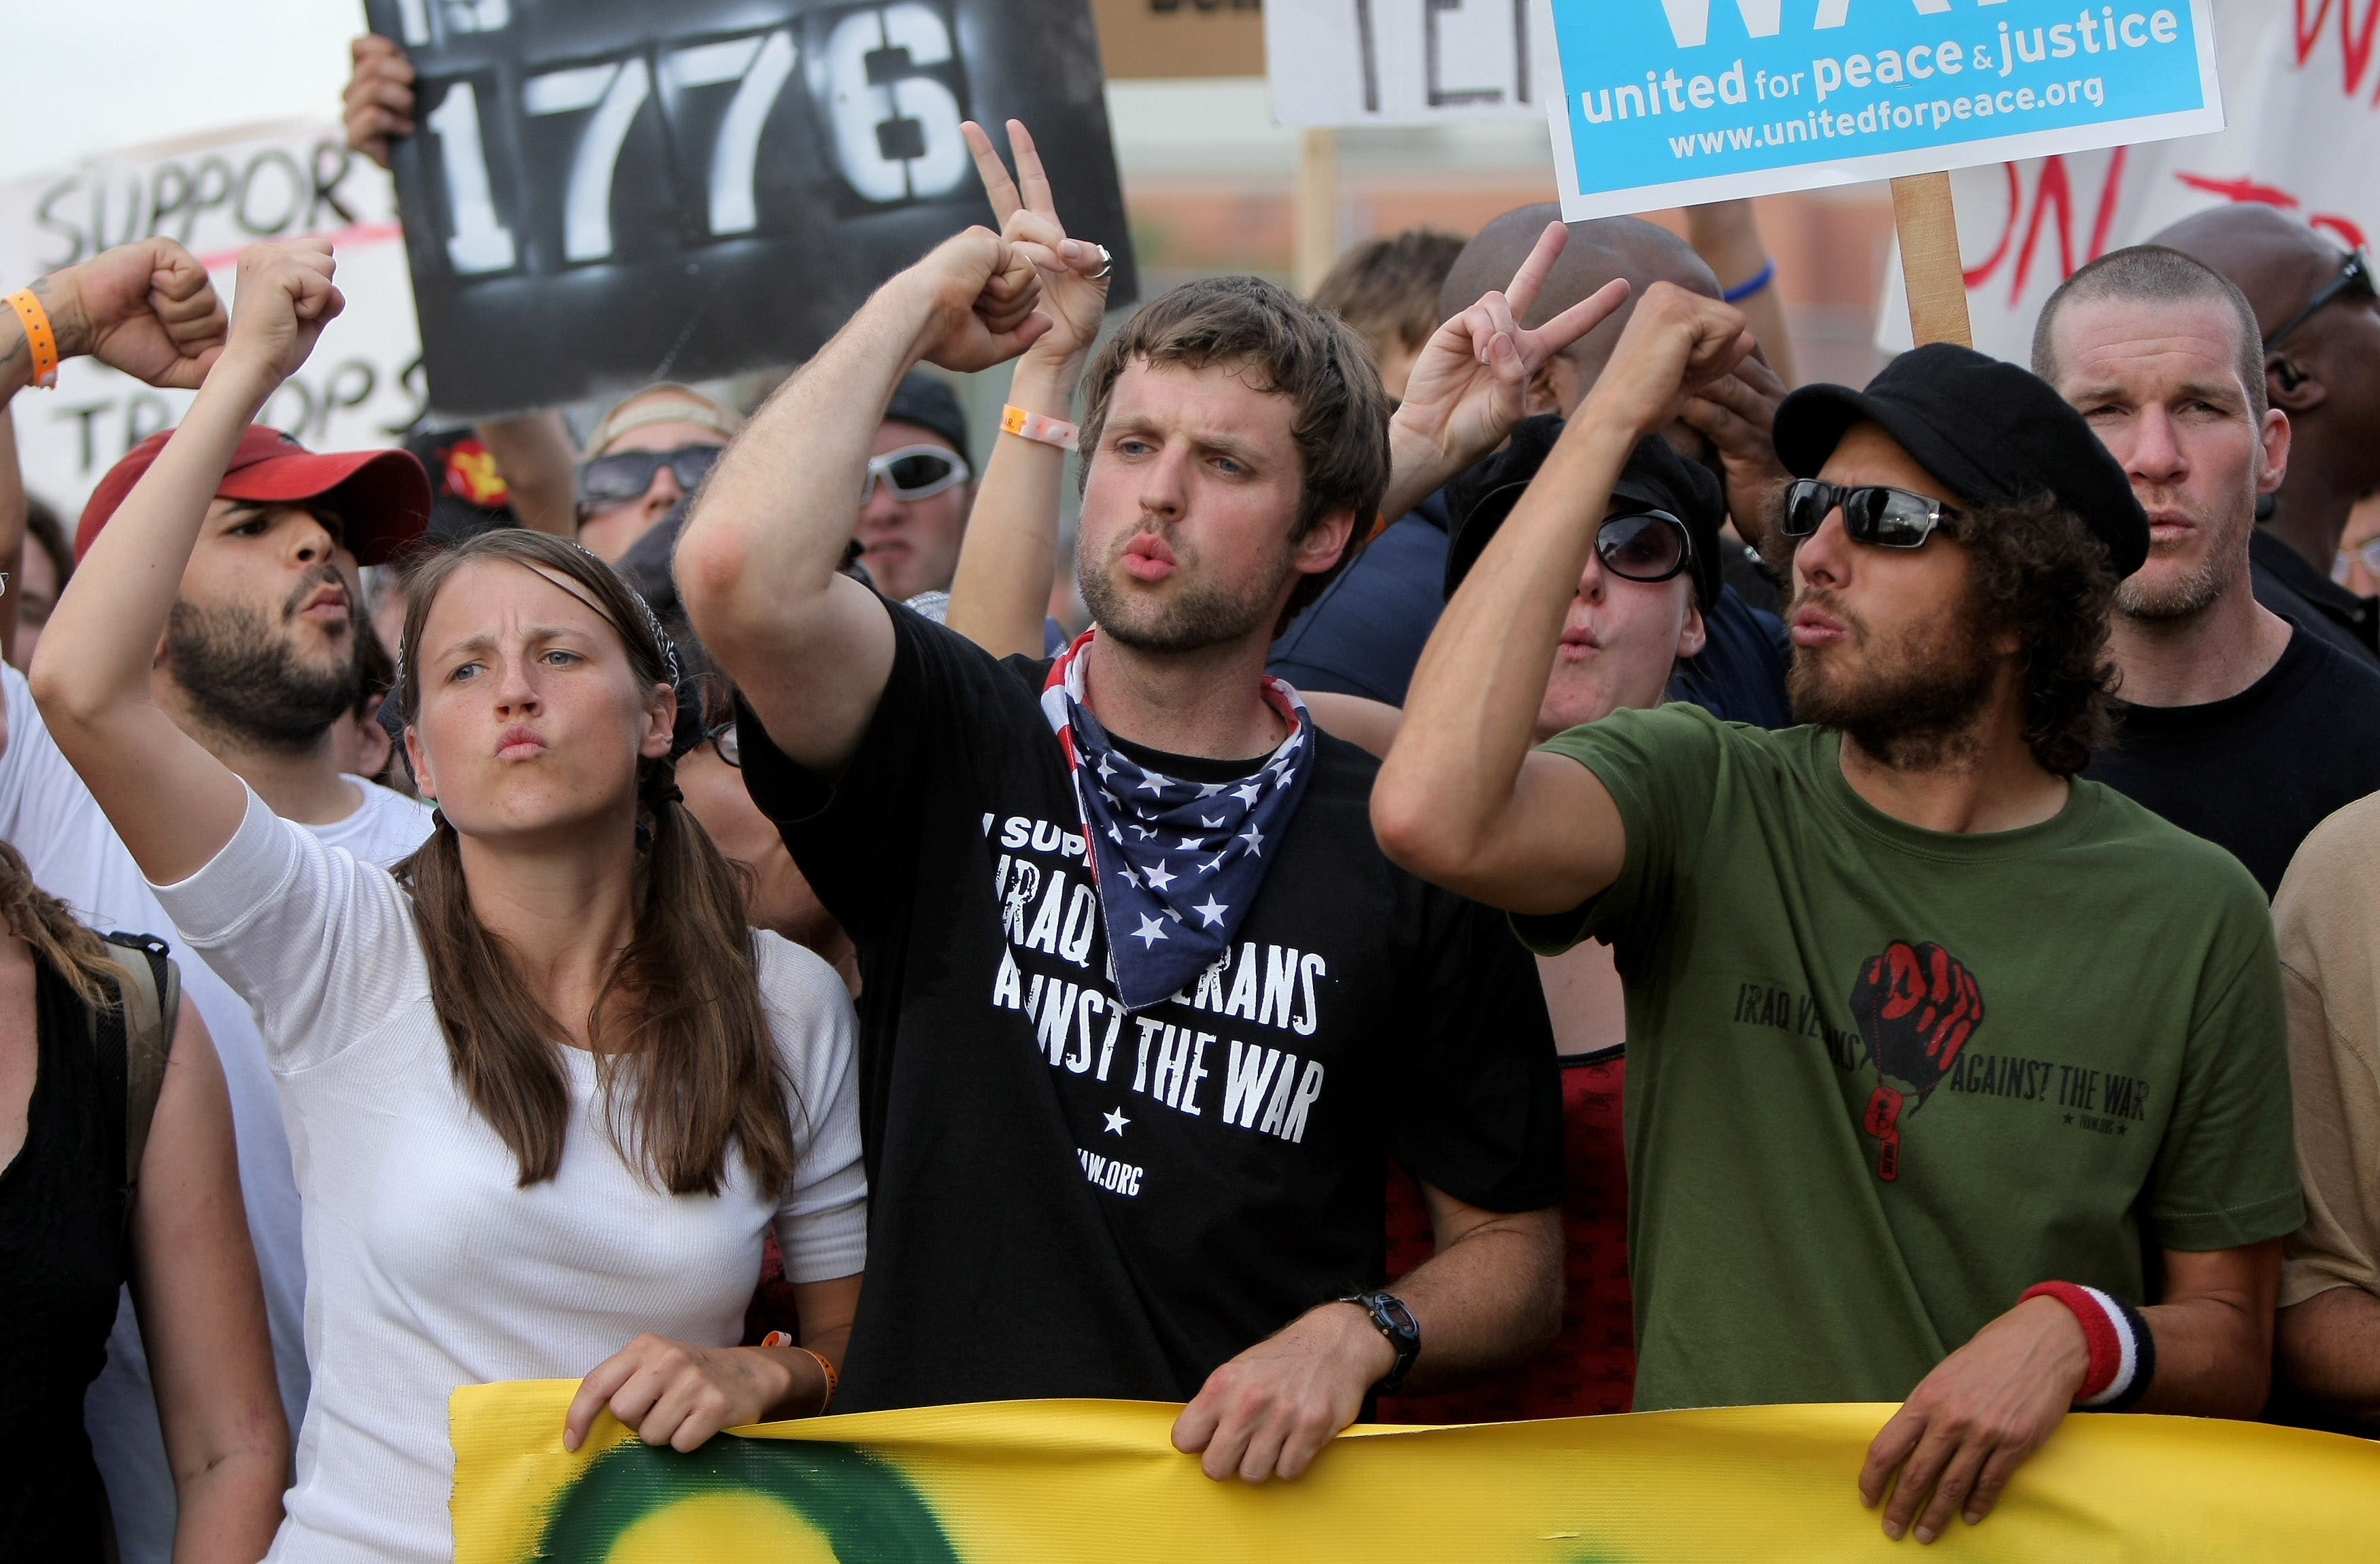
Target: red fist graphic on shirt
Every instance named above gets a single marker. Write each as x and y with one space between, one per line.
1917 1005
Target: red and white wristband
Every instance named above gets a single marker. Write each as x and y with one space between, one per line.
2123 1351
1040 427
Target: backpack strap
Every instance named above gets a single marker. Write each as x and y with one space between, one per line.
148 986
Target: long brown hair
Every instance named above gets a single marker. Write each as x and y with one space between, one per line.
683 1000
59 939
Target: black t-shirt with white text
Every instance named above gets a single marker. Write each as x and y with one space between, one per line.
2256 771
1067 1200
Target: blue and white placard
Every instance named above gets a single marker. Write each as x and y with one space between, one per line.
1669 102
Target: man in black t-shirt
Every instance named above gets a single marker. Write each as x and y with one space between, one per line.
2235 723
1146 1011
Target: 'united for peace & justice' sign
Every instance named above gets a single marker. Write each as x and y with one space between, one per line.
607 192
1668 103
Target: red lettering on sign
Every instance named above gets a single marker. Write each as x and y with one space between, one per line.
2053 191
2357 48
2350 232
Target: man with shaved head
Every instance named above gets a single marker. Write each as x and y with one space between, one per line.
2318 322
2235 723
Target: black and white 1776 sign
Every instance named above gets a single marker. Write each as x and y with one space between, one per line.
606 192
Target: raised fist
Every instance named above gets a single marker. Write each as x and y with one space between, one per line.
145 308
978 291
1916 1006
285 298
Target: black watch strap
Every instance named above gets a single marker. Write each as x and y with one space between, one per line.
1392 1319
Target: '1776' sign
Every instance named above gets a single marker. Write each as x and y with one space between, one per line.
607 192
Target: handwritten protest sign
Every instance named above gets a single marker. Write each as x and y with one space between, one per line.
1668 103
609 192
214 194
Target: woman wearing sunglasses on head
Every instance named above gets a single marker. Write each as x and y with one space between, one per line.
646 458
547 1091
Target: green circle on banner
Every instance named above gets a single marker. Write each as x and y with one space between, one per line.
861 1507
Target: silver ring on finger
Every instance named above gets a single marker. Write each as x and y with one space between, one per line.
1106 264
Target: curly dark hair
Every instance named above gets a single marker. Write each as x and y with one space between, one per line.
2037 570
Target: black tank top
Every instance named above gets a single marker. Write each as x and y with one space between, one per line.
62 1261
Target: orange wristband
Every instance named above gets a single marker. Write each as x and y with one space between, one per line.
781 1339
40 337
1040 426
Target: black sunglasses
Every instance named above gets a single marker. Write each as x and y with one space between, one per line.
726 745
617 479
2357 272
1886 518
1643 545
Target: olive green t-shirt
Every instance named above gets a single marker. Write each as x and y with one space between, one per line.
1882 1079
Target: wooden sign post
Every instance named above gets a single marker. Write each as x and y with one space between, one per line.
1929 259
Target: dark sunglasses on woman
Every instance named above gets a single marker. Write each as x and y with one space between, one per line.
1643 545
1873 514
623 475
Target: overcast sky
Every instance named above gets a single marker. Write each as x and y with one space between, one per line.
87 76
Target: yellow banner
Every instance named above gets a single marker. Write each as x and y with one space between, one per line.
1062 1482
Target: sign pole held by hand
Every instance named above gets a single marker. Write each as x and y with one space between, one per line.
1929 259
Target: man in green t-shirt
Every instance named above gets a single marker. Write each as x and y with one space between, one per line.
1918 1021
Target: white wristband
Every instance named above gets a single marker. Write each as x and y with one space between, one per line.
1040 426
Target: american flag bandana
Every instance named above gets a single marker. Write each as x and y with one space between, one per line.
1177 863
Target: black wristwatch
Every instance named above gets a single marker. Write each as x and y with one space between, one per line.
1392 1319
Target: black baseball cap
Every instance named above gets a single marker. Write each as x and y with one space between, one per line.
1655 478
928 403
1995 432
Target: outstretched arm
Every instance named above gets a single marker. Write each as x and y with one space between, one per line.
1010 553
174 803
808 647
1986 1407
1460 801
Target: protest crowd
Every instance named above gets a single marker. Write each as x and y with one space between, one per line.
1562 875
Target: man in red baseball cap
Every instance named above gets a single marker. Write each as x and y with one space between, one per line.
262 657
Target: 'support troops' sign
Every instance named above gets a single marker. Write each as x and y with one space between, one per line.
607 192
1667 102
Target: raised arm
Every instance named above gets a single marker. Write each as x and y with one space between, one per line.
1460 800
174 803
808 647
1010 554
539 468
1467 387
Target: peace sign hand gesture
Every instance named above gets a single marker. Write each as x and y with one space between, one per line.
1074 274
1468 387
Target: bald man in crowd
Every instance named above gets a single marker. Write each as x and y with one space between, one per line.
1740 674
2320 321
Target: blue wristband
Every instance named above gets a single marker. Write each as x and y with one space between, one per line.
1744 290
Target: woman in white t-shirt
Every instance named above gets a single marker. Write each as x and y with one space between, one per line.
546 1093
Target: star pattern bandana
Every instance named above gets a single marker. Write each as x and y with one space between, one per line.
1177 863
